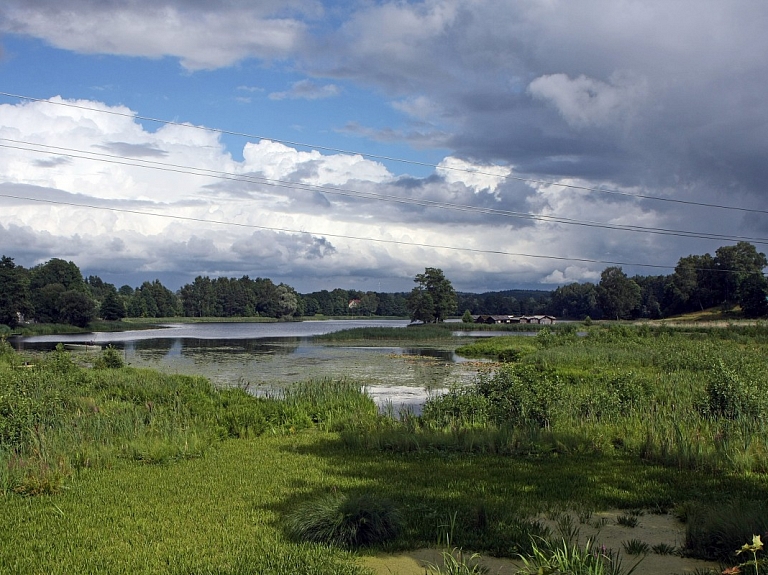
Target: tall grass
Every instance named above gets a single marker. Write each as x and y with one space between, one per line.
691 400
626 417
347 521
411 333
57 417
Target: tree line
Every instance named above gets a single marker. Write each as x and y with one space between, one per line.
57 292
733 276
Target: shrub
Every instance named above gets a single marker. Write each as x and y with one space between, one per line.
60 361
111 358
521 394
28 405
628 390
348 521
6 351
458 405
732 395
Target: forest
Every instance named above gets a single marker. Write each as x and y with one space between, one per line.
57 292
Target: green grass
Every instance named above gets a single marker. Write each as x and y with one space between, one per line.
427 332
565 557
207 512
131 471
217 514
502 348
345 520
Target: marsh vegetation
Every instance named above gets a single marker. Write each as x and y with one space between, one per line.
111 469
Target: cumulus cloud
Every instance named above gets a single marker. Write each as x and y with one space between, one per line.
280 162
472 175
290 214
571 274
657 98
280 213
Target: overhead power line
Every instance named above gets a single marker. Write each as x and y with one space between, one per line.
332 235
205 172
600 190
359 238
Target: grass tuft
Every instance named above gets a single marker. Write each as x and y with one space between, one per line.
636 547
627 520
712 532
346 521
664 549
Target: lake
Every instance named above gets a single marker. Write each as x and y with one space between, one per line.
267 356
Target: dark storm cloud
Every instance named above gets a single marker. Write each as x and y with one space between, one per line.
633 93
282 248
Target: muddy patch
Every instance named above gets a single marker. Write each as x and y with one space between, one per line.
605 529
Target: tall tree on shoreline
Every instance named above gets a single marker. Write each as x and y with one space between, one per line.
618 295
14 292
435 289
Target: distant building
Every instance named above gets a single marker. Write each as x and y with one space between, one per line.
500 319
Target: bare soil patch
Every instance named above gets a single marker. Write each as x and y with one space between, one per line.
602 528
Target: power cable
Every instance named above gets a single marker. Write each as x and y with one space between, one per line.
510 176
204 172
360 238
331 235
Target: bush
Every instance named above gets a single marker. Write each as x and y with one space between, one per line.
111 358
521 394
348 521
28 405
458 405
732 395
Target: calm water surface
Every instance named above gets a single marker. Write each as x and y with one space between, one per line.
271 355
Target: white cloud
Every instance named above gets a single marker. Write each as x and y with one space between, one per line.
476 176
307 90
201 37
290 233
280 162
571 274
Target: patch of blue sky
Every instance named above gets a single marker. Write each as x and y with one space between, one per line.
248 98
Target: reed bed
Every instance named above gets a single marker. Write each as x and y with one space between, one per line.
373 334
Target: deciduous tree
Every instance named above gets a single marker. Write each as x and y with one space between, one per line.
14 292
442 297
76 308
618 295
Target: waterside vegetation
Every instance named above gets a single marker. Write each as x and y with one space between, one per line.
55 292
111 469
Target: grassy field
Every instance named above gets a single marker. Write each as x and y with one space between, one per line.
119 470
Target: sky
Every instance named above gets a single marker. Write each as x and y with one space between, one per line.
324 144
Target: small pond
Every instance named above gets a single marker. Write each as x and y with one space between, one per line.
265 356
